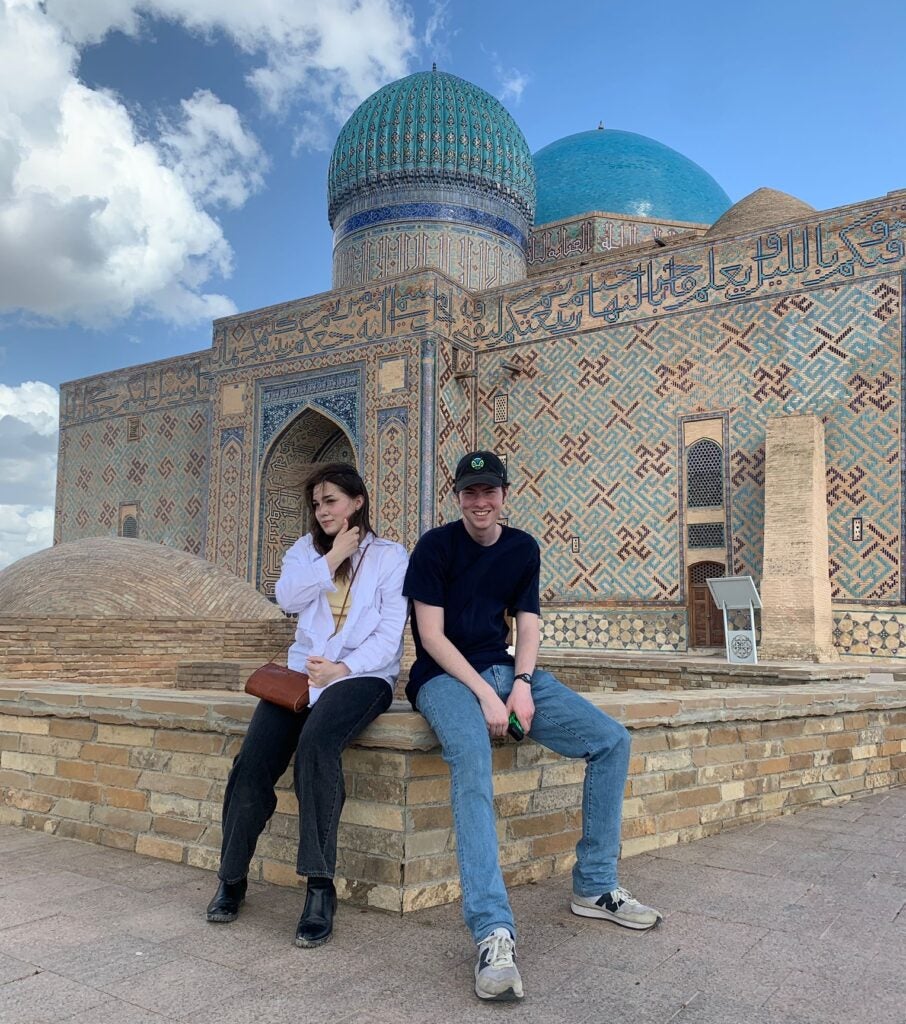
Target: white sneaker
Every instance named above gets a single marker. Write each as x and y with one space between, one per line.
496 974
617 906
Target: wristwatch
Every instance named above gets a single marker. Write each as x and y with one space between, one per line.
526 677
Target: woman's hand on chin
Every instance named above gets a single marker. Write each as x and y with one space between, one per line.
322 672
345 541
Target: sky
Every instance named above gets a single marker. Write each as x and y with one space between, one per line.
164 162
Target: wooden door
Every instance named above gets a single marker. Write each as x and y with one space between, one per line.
706 620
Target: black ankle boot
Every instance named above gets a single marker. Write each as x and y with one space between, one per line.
225 905
316 923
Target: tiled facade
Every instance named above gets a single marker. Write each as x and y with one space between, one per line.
582 376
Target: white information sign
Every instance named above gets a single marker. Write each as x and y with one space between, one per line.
737 593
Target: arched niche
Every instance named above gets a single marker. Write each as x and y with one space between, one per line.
309 440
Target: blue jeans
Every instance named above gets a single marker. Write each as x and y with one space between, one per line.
564 722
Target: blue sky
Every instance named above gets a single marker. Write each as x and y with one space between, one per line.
163 162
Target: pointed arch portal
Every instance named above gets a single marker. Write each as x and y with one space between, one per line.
309 440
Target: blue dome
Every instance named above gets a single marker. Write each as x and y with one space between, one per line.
434 129
625 173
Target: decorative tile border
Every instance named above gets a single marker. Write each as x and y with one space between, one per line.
873 634
615 629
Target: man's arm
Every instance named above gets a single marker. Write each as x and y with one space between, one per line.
528 640
430 619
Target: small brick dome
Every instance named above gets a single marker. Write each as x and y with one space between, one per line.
116 577
763 208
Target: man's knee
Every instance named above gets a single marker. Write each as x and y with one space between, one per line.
611 737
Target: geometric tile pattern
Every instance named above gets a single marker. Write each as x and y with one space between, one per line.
876 632
455 388
299 386
615 629
471 256
227 518
164 473
390 501
584 236
592 450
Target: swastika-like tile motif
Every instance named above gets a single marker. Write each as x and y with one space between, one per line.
592 451
164 472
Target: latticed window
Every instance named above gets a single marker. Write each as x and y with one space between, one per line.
706 535
130 526
705 474
701 572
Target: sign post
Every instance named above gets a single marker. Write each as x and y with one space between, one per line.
737 593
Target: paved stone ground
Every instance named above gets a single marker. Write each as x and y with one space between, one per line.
800 920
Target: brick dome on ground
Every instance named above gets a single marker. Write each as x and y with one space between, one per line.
118 577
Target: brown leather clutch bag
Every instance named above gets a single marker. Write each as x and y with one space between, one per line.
279 685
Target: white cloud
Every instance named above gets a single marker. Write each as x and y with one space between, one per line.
438 34
99 221
217 160
339 49
94 224
24 531
29 416
512 84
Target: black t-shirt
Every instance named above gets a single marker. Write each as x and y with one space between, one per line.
476 586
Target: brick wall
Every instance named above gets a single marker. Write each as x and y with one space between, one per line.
601 671
134 651
146 772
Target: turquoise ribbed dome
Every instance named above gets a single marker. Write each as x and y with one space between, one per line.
431 128
625 173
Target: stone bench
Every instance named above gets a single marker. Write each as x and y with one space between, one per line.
144 769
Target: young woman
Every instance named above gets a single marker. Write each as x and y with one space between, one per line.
346 585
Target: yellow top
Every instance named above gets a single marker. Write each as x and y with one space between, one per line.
337 599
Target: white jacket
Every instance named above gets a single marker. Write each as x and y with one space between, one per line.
371 640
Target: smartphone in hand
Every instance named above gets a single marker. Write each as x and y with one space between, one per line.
515 727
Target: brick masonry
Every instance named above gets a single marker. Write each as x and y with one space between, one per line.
129 651
145 770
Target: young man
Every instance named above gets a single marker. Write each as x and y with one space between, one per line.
463 578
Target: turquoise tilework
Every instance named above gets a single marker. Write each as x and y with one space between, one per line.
165 472
592 434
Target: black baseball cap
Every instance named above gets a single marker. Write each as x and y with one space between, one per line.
479 468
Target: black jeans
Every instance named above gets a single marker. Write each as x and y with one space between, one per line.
317 736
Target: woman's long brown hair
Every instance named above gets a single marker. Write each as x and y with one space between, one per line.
347 479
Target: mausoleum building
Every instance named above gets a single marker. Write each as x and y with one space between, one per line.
602 316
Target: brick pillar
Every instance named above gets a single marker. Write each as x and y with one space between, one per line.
796 622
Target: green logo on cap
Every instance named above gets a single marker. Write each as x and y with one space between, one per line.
478 462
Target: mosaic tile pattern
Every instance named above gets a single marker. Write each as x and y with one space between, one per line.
593 449
455 418
366 361
874 633
164 472
476 257
227 522
447 212
432 127
391 497
585 236
615 629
